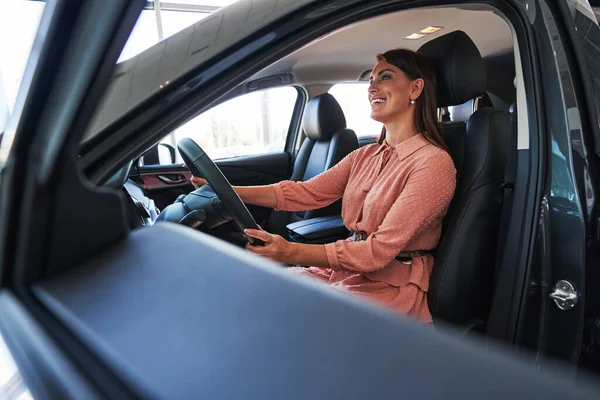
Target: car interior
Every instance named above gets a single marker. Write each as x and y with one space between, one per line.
148 290
120 280
472 49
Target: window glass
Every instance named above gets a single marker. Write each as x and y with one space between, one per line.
175 21
354 100
19 21
143 36
586 24
251 124
12 385
214 3
4 111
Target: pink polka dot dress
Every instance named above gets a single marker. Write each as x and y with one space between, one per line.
397 196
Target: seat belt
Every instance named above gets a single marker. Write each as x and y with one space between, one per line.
508 186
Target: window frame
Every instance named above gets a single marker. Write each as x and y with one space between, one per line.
291 135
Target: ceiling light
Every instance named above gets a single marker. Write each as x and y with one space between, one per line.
415 36
431 29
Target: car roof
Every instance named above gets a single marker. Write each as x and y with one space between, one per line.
339 56
345 54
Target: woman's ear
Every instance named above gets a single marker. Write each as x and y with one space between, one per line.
416 88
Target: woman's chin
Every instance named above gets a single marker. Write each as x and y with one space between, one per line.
377 116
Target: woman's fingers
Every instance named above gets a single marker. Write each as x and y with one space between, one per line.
275 247
255 249
197 182
262 235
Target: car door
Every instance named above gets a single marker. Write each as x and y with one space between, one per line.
250 137
584 37
557 313
44 39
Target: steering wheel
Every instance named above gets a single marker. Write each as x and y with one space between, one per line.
201 165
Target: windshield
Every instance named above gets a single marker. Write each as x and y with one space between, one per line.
161 19
149 64
19 22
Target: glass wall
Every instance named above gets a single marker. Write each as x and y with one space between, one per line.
162 19
19 20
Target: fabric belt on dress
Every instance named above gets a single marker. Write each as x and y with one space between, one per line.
405 257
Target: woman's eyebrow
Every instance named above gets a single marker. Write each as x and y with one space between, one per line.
381 72
384 70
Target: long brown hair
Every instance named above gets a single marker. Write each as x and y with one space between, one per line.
414 66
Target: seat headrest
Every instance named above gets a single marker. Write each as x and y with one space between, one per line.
459 68
323 117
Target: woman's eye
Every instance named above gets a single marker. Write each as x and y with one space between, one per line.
385 77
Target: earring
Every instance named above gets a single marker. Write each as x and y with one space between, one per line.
412 101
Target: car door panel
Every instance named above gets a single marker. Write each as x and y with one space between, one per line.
256 170
240 305
584 35
164 183
35 365
563 235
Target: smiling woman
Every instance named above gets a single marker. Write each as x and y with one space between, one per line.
417 72
394 194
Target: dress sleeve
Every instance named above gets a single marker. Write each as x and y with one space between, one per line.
318 192
423 201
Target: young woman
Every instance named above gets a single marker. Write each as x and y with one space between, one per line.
394 196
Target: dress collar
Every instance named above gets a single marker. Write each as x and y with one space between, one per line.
385 152
407 147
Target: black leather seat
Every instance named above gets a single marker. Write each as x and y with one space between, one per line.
327 142
461 283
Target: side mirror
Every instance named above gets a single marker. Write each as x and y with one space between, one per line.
161 154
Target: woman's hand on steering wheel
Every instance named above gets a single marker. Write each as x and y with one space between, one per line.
198 182
275 247
200 164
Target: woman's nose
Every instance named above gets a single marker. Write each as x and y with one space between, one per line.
373 87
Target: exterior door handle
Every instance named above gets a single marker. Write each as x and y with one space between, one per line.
180 179
564 295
